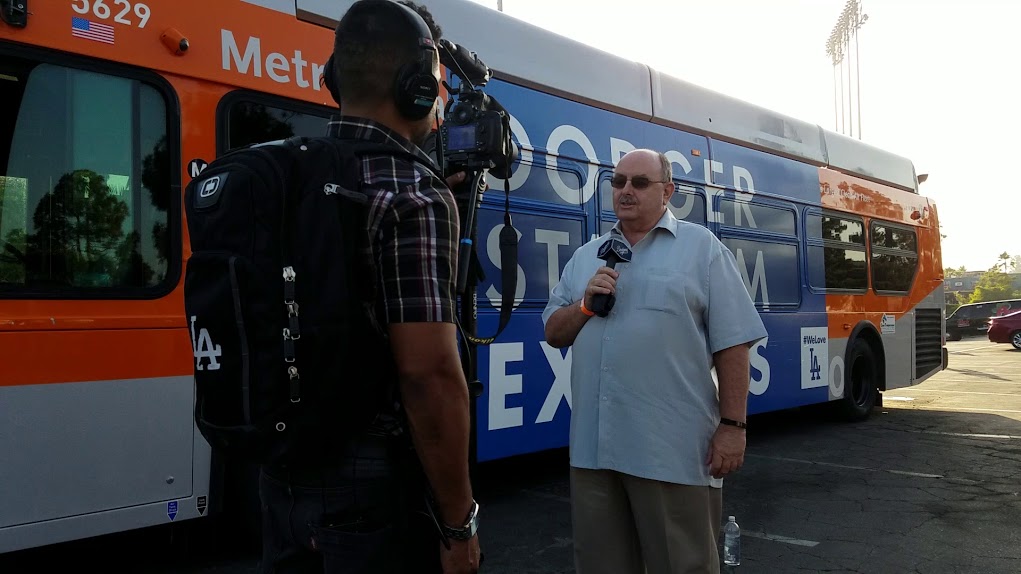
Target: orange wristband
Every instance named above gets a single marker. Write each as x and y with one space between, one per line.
584 310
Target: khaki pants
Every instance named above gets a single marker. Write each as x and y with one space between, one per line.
628 525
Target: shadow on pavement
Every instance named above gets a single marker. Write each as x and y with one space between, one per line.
907 490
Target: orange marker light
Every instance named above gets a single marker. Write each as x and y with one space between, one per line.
175 41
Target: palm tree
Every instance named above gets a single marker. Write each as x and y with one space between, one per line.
1004 261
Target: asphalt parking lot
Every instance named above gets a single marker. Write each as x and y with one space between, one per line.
929 484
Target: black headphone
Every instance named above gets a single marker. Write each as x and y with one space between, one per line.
415 87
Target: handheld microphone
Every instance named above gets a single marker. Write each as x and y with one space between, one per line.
612 251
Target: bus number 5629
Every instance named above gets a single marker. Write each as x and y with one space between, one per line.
123 8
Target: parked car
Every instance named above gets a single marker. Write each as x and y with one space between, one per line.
1006 329
973 318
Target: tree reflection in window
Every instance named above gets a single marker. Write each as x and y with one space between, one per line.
843 252
85 181
79 238
252 123
894 258
156 170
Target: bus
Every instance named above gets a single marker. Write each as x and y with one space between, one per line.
115 105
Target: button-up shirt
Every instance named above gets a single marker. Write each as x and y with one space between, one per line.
644 398
413 228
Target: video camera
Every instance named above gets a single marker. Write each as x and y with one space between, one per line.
476 133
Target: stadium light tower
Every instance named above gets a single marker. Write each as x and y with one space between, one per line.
859 18
835 50
838 49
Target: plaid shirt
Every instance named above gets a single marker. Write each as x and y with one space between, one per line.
413 228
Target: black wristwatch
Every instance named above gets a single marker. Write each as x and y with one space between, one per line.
468 530
733 423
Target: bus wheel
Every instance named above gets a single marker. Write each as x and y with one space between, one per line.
861 382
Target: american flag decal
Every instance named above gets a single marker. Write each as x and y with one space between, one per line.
82 28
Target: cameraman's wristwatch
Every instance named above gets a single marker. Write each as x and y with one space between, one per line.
468 530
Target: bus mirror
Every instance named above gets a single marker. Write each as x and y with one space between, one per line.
14 12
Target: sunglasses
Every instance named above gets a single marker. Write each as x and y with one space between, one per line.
618 181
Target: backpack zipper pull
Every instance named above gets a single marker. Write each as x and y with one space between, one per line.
292 320
295 384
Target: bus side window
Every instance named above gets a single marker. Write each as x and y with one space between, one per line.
839 244
764 241
894 258
688 206
248 118
85 182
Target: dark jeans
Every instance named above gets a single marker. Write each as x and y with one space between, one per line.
364 514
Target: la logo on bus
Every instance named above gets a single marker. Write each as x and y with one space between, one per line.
204 348
814 357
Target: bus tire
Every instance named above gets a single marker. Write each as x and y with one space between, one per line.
861 382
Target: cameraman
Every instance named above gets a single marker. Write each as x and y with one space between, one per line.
350 515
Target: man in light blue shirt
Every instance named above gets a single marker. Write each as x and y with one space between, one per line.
652 432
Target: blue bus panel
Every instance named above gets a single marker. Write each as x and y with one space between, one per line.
560 199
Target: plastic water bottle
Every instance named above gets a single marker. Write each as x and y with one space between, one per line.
731 543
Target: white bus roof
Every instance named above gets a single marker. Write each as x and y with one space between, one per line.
577 71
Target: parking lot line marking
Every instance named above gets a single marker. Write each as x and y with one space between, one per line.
784 539
847 466
959 393
958 381
916 474
965 434
955 351
980 410
888 398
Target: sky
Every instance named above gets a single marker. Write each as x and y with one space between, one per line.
937 79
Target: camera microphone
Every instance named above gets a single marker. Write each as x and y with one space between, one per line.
612 251
464 63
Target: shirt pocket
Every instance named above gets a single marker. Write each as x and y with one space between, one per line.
664 290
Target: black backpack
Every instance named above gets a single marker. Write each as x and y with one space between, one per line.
289 360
